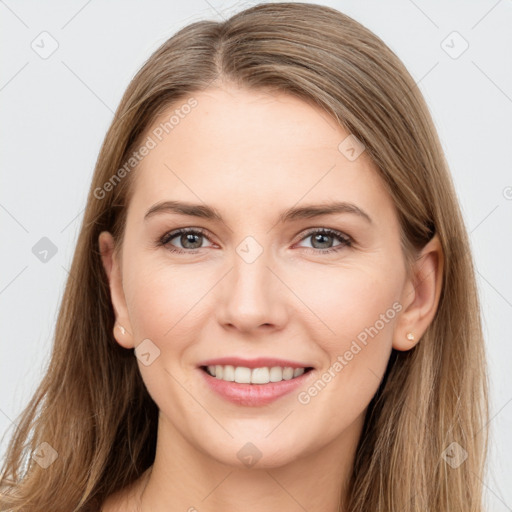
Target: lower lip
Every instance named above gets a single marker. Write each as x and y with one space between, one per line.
254 395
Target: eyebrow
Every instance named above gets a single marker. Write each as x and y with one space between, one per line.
291 214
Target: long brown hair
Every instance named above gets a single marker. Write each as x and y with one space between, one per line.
92 407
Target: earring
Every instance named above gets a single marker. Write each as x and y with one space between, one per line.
123 330
410 336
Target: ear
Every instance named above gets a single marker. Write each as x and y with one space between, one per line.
420 296
113 270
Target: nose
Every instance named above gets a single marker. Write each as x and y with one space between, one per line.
252 298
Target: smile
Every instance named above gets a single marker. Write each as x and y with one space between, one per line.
262 375
255 382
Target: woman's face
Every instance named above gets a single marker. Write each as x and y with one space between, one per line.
260 280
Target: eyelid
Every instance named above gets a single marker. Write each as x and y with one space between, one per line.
345 240
327 231
170 235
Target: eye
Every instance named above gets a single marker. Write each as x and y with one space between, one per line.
323 239
190 240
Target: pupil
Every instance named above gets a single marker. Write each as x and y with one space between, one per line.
189 237
319 237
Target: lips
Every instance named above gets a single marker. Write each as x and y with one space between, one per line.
254 388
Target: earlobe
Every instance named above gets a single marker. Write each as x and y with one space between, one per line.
420 296
122 329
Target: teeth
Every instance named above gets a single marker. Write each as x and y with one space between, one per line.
287 373
260 376
244 375
276 374
228 373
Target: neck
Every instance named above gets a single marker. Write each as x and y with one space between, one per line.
184 479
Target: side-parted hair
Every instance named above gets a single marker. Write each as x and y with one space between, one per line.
92 406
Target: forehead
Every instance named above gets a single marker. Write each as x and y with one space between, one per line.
253 150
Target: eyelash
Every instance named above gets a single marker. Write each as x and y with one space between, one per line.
345 240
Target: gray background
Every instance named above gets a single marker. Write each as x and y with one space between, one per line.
55 112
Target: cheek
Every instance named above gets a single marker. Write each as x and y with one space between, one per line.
349 301
164 304
346 314
338 305
358 311
162 300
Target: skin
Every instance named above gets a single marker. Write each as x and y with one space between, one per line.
251 155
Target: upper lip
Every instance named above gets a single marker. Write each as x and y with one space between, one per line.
259 362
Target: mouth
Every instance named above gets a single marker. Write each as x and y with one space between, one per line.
257 375
255 382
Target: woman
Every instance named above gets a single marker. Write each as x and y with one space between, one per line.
272 302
